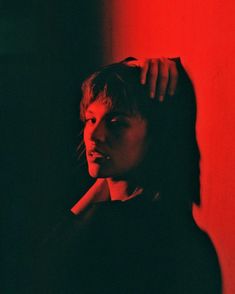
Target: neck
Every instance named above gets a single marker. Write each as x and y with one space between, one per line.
123 189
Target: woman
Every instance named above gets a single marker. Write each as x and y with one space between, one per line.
133 231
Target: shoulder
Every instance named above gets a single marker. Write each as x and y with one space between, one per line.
199 262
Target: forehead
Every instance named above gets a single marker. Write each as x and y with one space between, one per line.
106 106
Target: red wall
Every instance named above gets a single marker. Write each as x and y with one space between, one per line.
202 34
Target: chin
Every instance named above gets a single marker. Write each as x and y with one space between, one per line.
104 171
98 173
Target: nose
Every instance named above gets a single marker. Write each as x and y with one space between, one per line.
98 132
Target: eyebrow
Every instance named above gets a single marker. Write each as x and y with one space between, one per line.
89 111
111 113
116 113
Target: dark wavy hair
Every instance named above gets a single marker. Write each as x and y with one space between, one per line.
171 166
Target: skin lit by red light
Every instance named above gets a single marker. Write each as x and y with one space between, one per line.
115 142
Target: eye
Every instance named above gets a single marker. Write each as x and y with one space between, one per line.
118 122
90 120
115 120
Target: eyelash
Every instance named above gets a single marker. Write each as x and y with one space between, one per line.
113 122
89 119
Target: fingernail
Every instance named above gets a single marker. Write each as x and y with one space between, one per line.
142 82
171 93
152 94
161 98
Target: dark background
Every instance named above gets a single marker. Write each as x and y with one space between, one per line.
47 48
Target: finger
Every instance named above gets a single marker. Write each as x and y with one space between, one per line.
144 70
133 62
163 78
173 78
153 75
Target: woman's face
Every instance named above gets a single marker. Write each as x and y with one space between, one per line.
115 141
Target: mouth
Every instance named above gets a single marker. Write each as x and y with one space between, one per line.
97 155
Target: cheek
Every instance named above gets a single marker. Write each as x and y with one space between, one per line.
132 148
86 136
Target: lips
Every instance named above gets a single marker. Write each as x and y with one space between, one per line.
96 153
